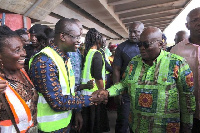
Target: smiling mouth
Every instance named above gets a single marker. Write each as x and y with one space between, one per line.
21 61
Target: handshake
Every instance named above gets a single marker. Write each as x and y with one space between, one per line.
99 96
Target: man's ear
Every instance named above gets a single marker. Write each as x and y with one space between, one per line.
62 37
187 26
160 45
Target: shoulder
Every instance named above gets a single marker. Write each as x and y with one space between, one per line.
123 44
98 53
172 56
42 58
135 59
179 47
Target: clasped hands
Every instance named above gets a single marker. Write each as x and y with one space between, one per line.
99 96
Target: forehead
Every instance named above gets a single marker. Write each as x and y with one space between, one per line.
72 28
150 36
134 27
13 42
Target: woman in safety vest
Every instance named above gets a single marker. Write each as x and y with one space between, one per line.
93 69
18 96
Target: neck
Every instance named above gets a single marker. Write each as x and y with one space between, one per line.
148 62
195 40
10 72
94 47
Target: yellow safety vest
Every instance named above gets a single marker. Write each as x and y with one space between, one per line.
86 73
48 119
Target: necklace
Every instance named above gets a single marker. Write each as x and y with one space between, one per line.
15 80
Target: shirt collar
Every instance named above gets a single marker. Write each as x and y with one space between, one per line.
64 56
162 53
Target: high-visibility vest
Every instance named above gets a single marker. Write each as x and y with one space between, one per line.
48 119
107 59
86 73
20 111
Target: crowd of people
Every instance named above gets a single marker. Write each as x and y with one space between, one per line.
51 82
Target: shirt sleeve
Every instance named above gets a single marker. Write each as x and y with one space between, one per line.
187 99
44 75
97 64
117 88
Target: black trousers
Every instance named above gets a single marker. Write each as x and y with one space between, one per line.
196 126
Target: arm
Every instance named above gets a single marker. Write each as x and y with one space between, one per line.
117 63
186 97
96 70
116 73
44 75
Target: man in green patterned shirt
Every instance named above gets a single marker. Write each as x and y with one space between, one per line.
160 85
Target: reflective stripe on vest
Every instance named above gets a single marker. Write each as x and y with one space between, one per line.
48 119
20 110
86 73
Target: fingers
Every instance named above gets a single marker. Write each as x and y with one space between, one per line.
99 96
90 84
3 86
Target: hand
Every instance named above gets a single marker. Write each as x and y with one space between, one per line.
100 96
78 121
90 84
3 86
119 100
104 93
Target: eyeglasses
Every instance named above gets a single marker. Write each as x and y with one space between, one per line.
146 44
74 37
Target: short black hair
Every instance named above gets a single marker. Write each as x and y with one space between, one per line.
5 33
21 31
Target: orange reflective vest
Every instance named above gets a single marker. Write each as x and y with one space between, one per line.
20 110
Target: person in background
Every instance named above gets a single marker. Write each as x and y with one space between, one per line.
24 36
112 48
18 95
189 49
93 69
50 36
36 32
124 53
160 85
53 77
82 49
180 36
164 39
107 62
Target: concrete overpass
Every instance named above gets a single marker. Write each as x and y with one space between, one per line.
110 17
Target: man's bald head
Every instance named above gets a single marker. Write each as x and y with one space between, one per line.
151 33
135 29
192 13
150 44
138 24
193 24
180 36
65 24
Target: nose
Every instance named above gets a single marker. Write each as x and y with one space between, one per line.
23 52
78 40
141 47
132 34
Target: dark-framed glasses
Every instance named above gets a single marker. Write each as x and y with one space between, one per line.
74 37
146 44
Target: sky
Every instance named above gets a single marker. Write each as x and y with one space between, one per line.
179 22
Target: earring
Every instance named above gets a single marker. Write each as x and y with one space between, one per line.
1 65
